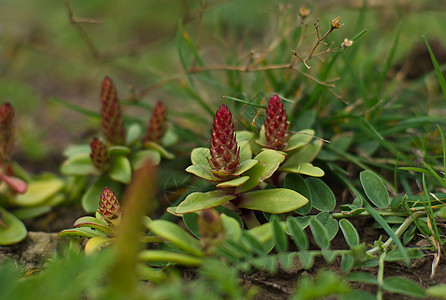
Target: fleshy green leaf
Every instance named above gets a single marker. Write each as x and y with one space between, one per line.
304 155
233 183
232 227
274 201
94 223
199 201
74 150
244 136
133 134
160 149
38 192
321 196
269 162
95 244
191 222
119 150
304 168
12 230
402 285
350 234
31 212
199 156
171 257
245 166
121 170
296 183
245 151
79 164
81 232
91 198
176 235
374 189
299 139
204 172
139 158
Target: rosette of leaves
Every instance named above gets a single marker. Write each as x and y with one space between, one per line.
229 165
29 196
100 228
113 158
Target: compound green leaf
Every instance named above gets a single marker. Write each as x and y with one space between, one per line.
404 286
350 234
374 188
322 197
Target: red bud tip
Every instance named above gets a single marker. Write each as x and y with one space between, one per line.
112 120
276 124
99 155
224 150
157 124
109 206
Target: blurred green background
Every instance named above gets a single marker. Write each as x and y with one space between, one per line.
43 56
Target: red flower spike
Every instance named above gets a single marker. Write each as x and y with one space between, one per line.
109 206
225 158
112 121
157 124
99 155
276 124
6 135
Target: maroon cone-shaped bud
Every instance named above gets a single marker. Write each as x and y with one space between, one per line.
109 206
6 136
99 155
157 124
112 120
276 124
225 158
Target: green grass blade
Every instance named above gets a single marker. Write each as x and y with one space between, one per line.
437 68
77 108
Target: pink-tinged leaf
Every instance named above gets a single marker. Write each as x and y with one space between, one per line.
17 184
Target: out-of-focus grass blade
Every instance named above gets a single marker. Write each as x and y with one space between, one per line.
383 74
437 68
77 108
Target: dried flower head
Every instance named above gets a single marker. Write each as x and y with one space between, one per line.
157 124
109 206
6 134
304 12
335 23
112 120
224 151
346 43
276 124
99 155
